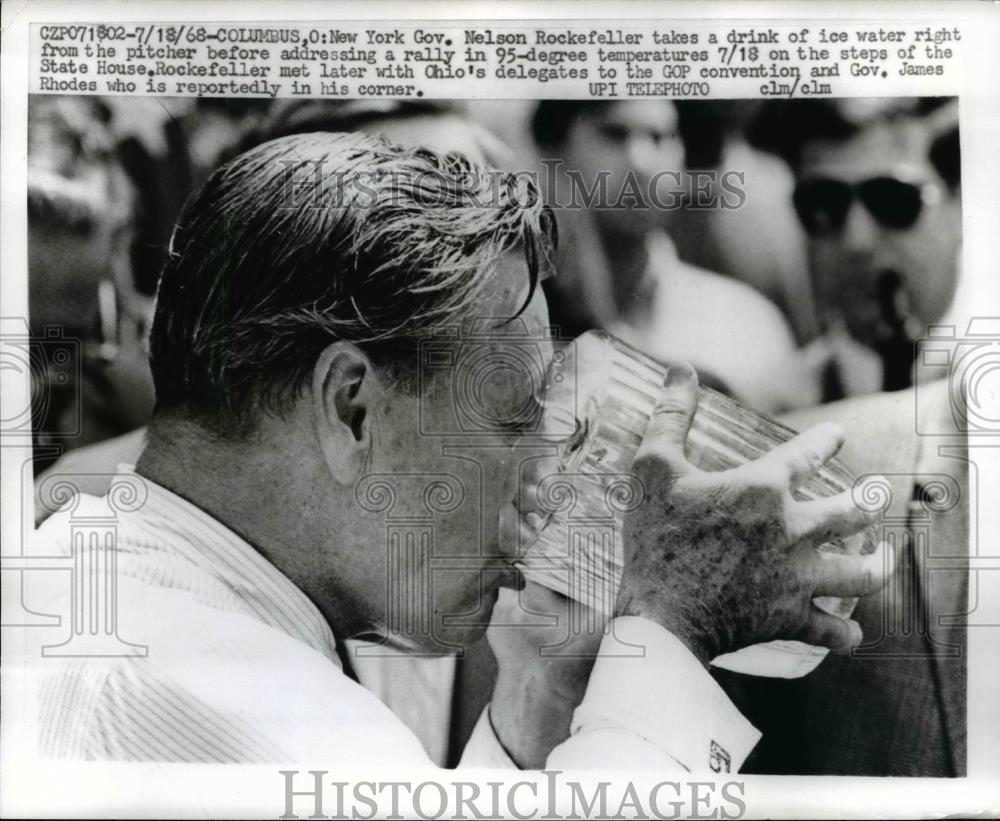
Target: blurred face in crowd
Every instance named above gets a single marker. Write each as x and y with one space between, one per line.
890 245
68 258
79 231
637 137
78 202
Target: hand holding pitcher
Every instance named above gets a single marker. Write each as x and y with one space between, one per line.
726 559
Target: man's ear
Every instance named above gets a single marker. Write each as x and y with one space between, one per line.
343 388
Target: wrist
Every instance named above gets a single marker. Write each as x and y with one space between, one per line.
532 707
698 641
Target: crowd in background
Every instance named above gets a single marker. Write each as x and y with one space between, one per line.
843 245
798 266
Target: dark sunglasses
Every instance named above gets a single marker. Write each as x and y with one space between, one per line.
822 203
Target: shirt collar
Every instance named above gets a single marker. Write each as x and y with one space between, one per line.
169 523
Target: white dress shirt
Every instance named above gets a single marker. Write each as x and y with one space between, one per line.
240 666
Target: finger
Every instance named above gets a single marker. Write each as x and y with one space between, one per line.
519 530
827 518
799 458
558 421
670 423
824 630
511 578
569 383
847 576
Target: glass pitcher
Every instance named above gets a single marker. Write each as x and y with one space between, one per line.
578 551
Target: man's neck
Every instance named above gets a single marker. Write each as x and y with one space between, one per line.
241 485
628 263
200 468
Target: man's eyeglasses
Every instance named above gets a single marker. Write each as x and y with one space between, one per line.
822 203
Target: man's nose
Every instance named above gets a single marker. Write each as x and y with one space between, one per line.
860 233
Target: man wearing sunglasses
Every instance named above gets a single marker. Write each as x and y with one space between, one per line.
878 195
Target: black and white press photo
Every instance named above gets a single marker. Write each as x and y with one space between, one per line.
624 440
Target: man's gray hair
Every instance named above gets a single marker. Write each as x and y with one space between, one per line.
314 238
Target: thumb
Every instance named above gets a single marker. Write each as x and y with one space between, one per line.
671 420
825 630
